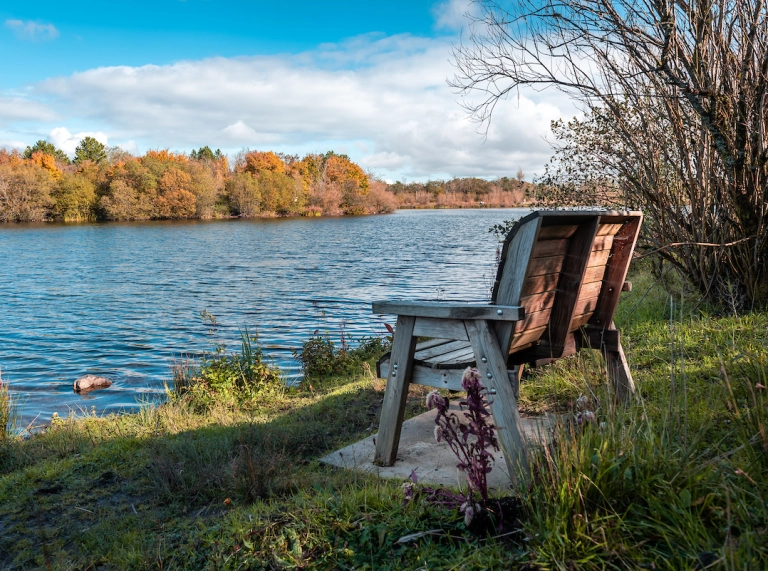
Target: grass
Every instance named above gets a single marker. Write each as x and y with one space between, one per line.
679 480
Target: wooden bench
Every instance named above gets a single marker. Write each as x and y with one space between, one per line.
556 290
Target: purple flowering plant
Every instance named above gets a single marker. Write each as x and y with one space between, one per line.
470 442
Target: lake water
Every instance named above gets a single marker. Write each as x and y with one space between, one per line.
124 300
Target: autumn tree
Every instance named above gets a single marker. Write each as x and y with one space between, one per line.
244 195
46 148
74 199
25 191
174 198
90 149
674 95
255 162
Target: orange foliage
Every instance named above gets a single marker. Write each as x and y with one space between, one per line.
341 169
257 161
174 180
177 203
165 155
48 162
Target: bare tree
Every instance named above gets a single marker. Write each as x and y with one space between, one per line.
674 94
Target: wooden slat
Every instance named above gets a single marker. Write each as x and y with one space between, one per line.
616 272
598 258
590 290
585 306
594 274
546 248
538 302
608 229
541 266
540 284
439 378
526 337
431 343
449 355
465 356
570 284
543 355
432 352
580 320
447 310
602 243
535 319
443 328
515 270
503 406
396 393
554 232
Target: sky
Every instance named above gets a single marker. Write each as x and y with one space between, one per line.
368 79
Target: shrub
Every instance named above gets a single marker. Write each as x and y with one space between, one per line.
236 378
320 357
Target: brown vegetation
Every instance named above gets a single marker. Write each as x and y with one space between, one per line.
41 185
465 193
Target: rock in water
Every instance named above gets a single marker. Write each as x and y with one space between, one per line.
91 383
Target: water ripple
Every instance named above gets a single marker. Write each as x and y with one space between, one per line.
124 300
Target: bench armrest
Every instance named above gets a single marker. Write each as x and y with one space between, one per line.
449 310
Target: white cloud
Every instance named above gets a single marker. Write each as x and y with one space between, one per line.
385 99
10 144
452 14
30 30
18 108
68 142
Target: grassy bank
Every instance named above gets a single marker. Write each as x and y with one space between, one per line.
221 478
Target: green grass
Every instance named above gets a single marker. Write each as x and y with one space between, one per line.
679 480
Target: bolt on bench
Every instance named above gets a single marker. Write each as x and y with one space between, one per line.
556 290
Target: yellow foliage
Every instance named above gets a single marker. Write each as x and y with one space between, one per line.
48 162
257 161
341 169
165 155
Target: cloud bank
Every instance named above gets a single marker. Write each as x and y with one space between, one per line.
383 100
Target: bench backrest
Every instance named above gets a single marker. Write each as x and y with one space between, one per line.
567 269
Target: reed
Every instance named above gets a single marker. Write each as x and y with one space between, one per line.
8 412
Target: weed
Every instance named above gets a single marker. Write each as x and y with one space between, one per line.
235 378
8 415
320 357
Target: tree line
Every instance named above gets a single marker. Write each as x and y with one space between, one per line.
108 183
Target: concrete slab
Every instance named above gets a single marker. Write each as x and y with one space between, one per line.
434 463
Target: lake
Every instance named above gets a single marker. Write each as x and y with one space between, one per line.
123 300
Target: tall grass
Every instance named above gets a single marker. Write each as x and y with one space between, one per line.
678 481
8 415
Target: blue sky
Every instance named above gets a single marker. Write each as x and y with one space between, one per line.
364 78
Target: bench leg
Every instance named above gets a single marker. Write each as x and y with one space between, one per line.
396 393
619 374
503 403
515 374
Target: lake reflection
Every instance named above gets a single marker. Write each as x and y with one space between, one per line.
123 300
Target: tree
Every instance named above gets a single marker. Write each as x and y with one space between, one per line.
90 149
674 95
48 149
206 154
74 198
